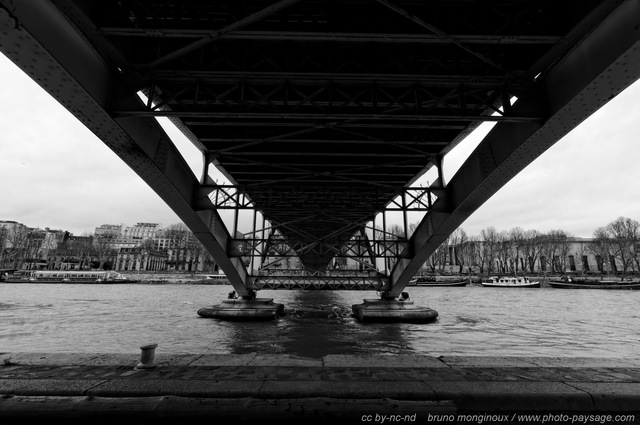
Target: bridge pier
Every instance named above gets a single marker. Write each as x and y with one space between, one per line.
244 309
393 310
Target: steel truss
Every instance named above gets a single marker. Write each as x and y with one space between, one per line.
234 197
265 248
295 281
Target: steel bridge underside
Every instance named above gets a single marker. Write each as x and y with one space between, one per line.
324 114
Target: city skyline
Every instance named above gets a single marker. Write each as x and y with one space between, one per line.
55 173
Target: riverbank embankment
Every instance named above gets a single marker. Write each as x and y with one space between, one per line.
336 388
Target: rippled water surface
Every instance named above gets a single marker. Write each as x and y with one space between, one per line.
473 320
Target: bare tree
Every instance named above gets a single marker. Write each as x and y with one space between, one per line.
82 249
437 260
625 234
469 252
488 251
179 237
601 246
556 249
458 239
3 245
198 251
104 248
504 251
532 248
189 250
147 249
17 242
517 236
619 240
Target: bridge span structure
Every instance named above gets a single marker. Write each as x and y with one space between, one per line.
316 119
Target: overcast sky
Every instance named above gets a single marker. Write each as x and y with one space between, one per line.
55 173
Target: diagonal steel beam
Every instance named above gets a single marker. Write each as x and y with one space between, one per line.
214 35
279 137
438 32
583 80
40 40
370 252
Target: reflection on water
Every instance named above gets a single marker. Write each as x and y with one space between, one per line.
316 323
472 321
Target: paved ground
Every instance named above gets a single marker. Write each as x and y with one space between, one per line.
105 388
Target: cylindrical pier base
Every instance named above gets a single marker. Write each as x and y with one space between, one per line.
257 309
378 310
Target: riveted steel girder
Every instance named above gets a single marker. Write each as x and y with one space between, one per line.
40 40
597 69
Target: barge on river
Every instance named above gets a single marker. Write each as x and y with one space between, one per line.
569 283
432 281
67 276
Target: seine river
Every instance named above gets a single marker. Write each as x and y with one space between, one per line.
473 321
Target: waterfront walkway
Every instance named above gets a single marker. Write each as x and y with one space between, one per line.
105 388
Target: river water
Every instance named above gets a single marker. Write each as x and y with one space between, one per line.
472 320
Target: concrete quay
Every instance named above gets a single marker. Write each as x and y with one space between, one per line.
354 389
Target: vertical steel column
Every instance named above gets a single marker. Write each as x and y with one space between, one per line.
205 168
384 243
405 219
254 245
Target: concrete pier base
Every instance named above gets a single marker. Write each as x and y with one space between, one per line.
380 310
257 309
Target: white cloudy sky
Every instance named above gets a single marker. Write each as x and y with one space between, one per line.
55 173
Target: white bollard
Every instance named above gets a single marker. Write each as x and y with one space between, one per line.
146 356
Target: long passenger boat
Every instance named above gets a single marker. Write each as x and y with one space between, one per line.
569 283
67 276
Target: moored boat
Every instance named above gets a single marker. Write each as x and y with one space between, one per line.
19 276
6 273
432 281
67 276
569 283
220 278
510 282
